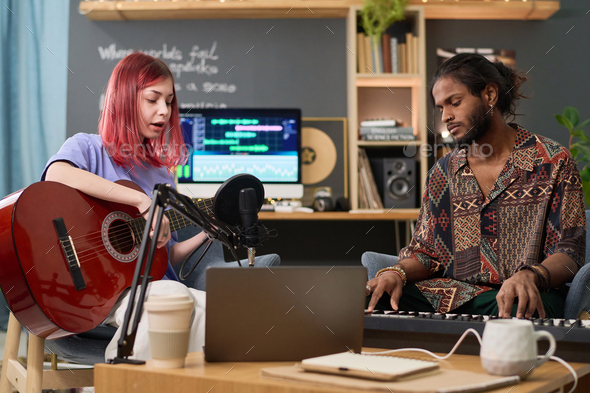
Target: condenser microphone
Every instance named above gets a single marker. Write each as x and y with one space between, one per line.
248 207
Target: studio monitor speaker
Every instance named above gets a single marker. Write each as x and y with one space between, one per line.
396 181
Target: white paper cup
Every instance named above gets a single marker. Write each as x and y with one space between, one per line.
169 329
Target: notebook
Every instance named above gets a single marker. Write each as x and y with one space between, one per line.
381 368
283 313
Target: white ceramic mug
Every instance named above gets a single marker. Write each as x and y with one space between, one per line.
169 329
509 347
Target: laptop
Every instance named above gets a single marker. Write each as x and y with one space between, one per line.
283 313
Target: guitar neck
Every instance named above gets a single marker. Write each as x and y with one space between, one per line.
177 220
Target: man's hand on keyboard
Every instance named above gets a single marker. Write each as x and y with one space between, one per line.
522 286
389 282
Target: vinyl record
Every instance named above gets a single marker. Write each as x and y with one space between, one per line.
318 155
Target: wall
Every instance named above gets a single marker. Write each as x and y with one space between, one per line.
247 62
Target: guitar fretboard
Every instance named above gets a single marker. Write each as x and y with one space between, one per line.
177 220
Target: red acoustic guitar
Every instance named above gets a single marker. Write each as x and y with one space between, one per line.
67 257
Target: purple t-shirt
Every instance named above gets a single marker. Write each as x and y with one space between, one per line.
87 152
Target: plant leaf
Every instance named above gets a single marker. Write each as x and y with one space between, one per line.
583 151
586 191
580 134
572 115
574 152
584 123
564 121
585 175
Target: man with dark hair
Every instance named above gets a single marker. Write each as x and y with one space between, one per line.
502 225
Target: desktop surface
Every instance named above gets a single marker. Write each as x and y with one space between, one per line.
200 376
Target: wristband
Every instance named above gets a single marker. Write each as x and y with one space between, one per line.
395 269
542 283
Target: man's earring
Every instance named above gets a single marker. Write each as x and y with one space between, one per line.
491 110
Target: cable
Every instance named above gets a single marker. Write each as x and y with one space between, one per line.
571 370
428 352
181 274
555 358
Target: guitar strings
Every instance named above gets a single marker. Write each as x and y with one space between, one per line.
137 231
135 226
174 221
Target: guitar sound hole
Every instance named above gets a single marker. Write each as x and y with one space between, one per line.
121 237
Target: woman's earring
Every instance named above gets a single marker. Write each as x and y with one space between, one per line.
491 110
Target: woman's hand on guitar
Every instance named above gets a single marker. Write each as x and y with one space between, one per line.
164 235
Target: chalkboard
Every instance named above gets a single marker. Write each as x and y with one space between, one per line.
250 63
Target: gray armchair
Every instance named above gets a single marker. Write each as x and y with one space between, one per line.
578 297
90 347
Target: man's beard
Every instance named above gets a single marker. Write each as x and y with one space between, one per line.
480 123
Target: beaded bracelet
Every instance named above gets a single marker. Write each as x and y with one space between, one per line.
543 283
395 269
548 276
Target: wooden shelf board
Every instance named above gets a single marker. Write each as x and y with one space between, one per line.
247 9
393 214
489 10
264 9
388 80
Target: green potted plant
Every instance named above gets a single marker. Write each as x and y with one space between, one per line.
570 119
378 15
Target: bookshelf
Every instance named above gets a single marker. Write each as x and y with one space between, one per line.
379 95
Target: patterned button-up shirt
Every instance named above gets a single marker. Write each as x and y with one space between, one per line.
470 244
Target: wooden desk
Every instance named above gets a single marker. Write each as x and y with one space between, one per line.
199 376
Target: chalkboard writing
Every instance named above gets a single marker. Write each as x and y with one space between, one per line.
245 63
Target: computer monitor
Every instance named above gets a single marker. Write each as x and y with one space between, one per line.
265 143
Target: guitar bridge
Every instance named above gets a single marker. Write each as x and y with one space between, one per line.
69 251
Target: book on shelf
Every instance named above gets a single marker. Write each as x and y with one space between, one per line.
401 51
367 185
388 137
386 44
415 53
386 54
386 130
393 49
376 52
360 53
379 123
368 50
409 55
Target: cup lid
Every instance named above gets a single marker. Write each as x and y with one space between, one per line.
169 303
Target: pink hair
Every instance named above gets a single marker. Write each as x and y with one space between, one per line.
118 125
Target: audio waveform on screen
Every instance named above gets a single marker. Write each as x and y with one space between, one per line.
265 173
225 122
250 148
221 142
240 134
259 128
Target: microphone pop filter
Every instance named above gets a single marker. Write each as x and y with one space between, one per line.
226 200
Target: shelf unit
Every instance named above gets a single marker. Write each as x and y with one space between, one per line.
211 9
374 96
